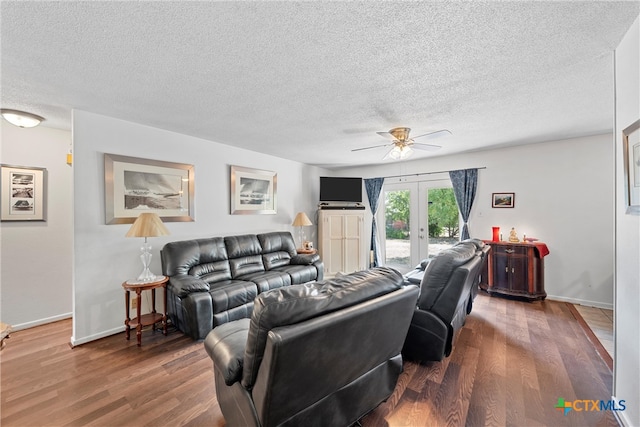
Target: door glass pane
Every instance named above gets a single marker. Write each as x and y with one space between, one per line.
397 226
444 225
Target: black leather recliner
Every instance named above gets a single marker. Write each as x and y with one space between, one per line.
447 289
318 354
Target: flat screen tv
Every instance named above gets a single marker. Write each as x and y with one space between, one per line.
340 189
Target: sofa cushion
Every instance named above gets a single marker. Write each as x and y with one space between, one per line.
300 273
272 260
439 271
229 294
278 241
305 259
237 313
266 280
245 255
414 277
246 265
212 271
293 304
277 249
479 244
242 246
180 257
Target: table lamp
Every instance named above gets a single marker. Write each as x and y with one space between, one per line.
148 224
301 220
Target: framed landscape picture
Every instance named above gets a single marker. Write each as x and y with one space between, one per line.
631 158
23 193
134 185
503 200
253 191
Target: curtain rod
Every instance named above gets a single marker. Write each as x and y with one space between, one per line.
426 173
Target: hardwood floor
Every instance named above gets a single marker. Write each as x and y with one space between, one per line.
510 364
600 321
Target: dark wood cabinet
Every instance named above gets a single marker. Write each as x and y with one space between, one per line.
515 269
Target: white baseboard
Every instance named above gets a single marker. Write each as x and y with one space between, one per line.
74 342
581 302
621 416
27 325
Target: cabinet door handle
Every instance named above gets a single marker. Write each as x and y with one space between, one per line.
506 269
513 270
509 251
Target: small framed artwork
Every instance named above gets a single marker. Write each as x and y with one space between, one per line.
134 185
631 158
23 193
253 191
503 200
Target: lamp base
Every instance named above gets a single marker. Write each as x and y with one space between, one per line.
147 276
301 238
145 257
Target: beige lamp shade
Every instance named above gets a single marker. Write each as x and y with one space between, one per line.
301 220
148 224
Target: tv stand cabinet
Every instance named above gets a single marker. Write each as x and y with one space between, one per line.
341 237
515 269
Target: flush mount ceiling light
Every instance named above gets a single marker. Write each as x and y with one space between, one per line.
21 118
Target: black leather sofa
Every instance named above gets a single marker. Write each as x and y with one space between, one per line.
319 354
215 280
448 285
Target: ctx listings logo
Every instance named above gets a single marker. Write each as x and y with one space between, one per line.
589 405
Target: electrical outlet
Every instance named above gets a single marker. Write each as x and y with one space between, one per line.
134 303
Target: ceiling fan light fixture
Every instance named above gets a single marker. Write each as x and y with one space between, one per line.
21 118
400 152
401 133
402 146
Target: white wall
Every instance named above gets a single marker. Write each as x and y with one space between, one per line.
36 257
562 197
104 258
627 314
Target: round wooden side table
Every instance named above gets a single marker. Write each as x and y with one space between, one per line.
145 319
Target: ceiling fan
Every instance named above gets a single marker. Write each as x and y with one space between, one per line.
402 146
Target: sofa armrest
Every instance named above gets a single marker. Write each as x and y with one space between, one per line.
225 346
305 259
428 338
183 285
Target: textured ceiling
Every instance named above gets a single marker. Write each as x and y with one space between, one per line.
310 81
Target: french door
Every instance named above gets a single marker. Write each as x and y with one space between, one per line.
407 230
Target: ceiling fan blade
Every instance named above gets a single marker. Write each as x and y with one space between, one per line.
433 135
426 147
373 146
387 135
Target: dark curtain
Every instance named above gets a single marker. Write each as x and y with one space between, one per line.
374 187
464 187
